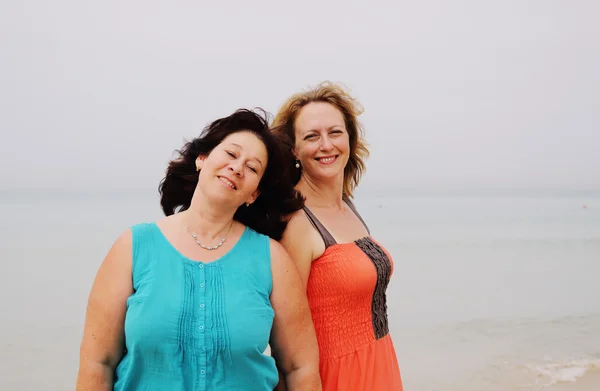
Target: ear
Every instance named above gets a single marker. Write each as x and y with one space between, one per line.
200 162
253 197
294 153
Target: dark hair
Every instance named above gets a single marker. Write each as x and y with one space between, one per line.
277 199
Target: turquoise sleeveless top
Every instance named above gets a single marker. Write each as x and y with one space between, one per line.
197 326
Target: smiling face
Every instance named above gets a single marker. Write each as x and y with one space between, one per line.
322 141
232 171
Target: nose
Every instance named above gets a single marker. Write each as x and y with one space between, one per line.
236 167
326 144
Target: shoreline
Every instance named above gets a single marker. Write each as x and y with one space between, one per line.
590 381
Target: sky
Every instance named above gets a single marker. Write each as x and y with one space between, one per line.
457 94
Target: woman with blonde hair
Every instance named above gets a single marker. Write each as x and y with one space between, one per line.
345 271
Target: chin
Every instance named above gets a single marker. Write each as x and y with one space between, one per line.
220 196
328 174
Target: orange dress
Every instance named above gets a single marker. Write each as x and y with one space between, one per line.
347 296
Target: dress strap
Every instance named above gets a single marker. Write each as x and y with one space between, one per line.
351 205
327 237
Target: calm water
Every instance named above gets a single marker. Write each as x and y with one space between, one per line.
489 293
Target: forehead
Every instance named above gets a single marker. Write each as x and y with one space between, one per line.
248 142
317 116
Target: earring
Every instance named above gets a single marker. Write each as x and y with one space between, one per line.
197 168
297 164
247 204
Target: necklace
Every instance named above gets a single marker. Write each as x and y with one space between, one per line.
209 248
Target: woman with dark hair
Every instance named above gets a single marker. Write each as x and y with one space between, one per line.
191 301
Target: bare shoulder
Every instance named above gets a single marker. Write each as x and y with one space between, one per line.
119 259
124 240
301 231
122 248
298 221
303 243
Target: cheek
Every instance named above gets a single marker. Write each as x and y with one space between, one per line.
343 144
252 183
305 151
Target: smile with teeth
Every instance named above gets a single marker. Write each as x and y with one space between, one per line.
227 182
327 160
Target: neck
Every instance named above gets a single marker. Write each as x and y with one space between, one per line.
322 194
205 219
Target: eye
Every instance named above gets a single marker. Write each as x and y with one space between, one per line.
253 169
310 137
336 132
230 154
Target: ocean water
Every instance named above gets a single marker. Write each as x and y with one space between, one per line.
489 292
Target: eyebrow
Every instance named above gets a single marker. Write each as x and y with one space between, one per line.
329 128
254 158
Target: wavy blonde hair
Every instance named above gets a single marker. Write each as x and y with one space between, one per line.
337 96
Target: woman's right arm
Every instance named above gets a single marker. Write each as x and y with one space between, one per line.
103 336
297 239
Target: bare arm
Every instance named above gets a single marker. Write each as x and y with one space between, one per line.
293 338
297 241
103 338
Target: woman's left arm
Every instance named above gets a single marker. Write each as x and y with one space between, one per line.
293 339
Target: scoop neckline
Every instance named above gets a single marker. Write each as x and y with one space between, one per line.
352 243
198 262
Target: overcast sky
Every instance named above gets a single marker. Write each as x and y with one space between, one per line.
97 95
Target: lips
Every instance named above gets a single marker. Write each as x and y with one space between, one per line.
327 159
227 182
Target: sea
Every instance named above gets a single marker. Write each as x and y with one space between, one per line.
497 291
